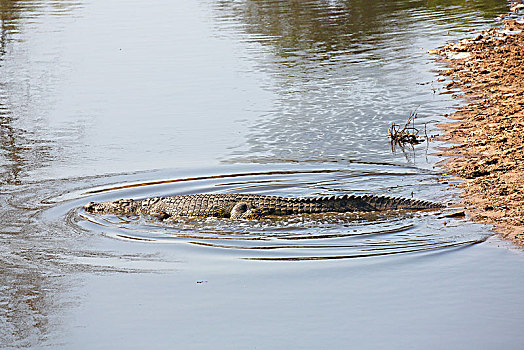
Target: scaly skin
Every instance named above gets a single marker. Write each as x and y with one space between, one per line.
237 206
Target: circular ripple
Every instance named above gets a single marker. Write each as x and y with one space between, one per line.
295 237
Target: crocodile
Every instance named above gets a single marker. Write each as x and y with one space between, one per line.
252 206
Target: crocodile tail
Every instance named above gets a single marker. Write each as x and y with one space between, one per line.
392 203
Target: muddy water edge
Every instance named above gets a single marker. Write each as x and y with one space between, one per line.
488 152
104 100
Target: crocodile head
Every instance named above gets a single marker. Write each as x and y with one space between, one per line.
121 206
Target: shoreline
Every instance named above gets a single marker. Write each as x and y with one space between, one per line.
488 132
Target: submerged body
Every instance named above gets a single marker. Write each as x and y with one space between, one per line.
237 206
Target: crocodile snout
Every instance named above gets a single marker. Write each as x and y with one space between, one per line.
93 207
118 206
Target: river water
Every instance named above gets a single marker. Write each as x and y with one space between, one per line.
101 100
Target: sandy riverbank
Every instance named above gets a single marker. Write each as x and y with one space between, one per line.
489 132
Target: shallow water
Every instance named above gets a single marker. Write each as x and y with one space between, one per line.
100 101
296 237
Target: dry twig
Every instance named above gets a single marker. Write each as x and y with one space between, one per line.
406 135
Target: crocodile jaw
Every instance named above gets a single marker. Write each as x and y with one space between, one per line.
122 206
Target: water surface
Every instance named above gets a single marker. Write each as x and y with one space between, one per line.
104 100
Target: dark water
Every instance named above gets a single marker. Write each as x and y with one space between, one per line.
103 100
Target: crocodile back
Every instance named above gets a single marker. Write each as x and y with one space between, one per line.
220 205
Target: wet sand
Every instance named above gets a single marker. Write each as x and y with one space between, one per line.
489 131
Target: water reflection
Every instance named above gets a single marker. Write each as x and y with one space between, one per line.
333 27
343 71
8 17
28 279
20 148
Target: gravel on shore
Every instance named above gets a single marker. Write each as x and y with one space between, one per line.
488 135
